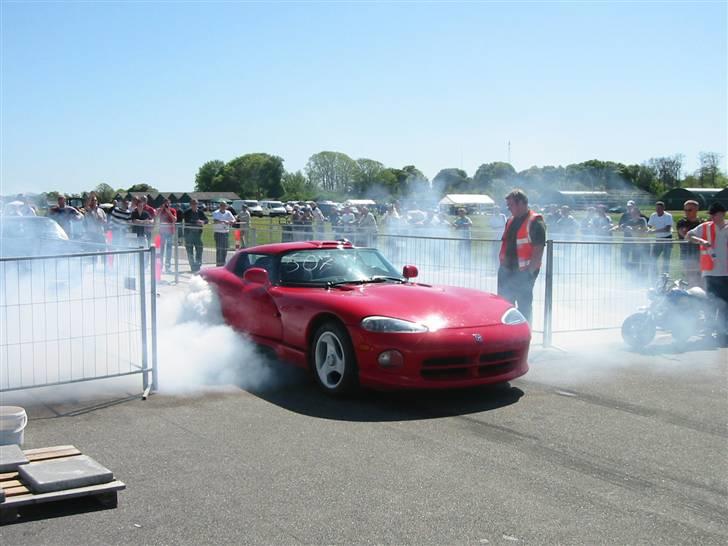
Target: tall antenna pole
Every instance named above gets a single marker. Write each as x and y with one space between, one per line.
509 152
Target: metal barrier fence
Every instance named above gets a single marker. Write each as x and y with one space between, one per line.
583 285
79 317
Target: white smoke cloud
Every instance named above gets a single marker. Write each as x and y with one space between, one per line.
197 351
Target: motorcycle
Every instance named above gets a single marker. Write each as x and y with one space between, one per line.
684 312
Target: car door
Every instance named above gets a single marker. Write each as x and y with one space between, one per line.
256 312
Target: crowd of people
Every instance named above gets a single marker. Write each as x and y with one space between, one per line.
646 245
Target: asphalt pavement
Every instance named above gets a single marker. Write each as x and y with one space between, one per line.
595 445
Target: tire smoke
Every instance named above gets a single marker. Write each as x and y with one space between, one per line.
198 351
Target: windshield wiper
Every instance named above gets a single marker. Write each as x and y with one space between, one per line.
376 278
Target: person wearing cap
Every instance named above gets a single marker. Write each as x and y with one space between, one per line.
712 236
222 219
660 223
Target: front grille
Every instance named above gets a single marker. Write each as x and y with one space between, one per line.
446 374
446 361
451 368
495 369
497 357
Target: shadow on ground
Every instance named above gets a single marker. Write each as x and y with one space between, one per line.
298 392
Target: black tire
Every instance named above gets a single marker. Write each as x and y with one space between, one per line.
333 361
638 330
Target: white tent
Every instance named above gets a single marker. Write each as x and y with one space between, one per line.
472 201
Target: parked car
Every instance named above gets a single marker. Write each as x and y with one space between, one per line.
22 236
351 318
273 208
253 206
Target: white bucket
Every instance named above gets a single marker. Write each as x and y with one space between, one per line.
12 425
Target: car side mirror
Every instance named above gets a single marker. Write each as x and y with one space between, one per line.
256 275
409 272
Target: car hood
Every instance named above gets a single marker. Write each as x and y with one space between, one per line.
438 307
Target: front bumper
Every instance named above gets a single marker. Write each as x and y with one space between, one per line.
451 358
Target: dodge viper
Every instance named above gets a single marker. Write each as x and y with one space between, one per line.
350 317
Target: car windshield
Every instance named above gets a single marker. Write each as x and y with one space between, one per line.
327 267
31 228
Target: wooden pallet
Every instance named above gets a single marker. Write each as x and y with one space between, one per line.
17 493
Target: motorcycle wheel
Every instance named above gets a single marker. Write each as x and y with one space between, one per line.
638 330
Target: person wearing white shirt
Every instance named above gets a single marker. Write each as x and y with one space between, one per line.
660 223
222 219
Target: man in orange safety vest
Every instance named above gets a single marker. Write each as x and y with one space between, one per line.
521 251
712 236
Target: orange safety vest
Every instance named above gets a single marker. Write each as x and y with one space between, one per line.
524 247
706 258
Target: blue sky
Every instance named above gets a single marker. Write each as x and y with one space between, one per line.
127 92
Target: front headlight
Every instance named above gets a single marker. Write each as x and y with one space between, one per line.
513 316
392 325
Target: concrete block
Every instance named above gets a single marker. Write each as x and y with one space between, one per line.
11 457
60 474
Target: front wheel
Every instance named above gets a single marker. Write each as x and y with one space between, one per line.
638 330
333 359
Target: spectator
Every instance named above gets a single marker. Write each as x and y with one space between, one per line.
119 221
551 215
306 223
601 224
497 223
633 225
222 220
660 222
94 221
521 252
65 215
167 219
243 221
348 220
319 220
566 226
194 219
689 253
585 226
712 236
151 211
368 227
141 222
463 225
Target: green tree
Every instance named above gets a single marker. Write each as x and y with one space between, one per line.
667 170
209 176
487 173
709 170
144 187
105 193
255 175
332 171
297 187
452 181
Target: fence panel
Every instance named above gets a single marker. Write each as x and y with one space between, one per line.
73 318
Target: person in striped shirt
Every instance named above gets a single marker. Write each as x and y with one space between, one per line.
119 221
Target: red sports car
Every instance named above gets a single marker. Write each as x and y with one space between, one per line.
348 315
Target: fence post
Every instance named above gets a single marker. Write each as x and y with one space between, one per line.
143 309
153 317
175 246
548 294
